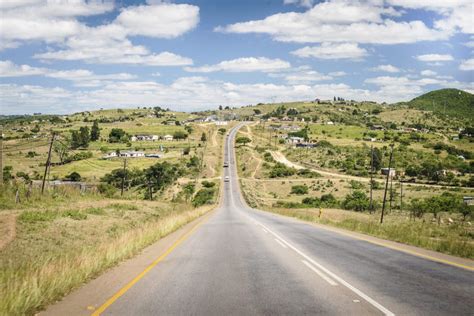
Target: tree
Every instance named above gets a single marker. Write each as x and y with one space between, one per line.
84 136
62 150
180 135
377 159
220 107
80 138
188 190
257 111
222 131
242 140
117 135
203 137
95 131
161 175
73 176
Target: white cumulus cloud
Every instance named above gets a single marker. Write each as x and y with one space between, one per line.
244 64
332 51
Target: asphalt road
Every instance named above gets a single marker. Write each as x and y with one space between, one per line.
247 262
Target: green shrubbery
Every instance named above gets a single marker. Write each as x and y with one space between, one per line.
280 170
204 196
299 189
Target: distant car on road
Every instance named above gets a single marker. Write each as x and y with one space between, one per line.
226 179
226 164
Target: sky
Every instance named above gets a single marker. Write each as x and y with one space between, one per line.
66 56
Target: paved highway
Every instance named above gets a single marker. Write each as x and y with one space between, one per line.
243 261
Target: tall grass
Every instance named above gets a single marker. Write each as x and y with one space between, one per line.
454 239
28 286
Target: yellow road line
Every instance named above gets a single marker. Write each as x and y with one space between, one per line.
124 289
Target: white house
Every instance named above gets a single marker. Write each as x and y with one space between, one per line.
112 154
220 123
132 154
329 123
168 137
295 140
390 171
125 154
149 138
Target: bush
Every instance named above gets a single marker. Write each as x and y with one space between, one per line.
280 170
203 196
357 201
208 184
308 173
268 157
74 176
106 189
299 189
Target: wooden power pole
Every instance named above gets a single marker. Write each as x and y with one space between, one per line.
371 177
48 161
1 155
386 184
123 175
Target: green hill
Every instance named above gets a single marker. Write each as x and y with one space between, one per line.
446 101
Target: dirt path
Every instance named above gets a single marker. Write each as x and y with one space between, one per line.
278 156
7 229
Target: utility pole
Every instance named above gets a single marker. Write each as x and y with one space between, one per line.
386 184
123 175
401 195
391 192
371 176
48 161
1 155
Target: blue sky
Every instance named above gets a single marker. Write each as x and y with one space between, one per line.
67 56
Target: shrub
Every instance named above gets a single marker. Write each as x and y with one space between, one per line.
106 189
203 196
357 201
208 184
281 170
268 157
73 176
308 173
299 189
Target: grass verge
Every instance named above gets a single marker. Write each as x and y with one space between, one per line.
27 286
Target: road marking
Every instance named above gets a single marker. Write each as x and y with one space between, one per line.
318 272
281 244
394 247
331 274
265 231
124 289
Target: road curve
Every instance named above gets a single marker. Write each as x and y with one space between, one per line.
243 261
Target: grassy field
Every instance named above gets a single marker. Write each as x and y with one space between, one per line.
53 243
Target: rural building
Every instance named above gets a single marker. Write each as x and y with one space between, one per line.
329 123
125 154
168 137
468 200
141 138
152 156
221 123
294 140
389 171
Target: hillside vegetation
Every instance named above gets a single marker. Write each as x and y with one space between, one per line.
446 101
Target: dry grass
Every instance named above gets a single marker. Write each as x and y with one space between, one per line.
58 247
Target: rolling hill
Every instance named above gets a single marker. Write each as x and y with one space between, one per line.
446 101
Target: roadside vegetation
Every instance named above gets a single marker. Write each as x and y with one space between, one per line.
104 210
329 180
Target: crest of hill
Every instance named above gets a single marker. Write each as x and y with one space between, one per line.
452 102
